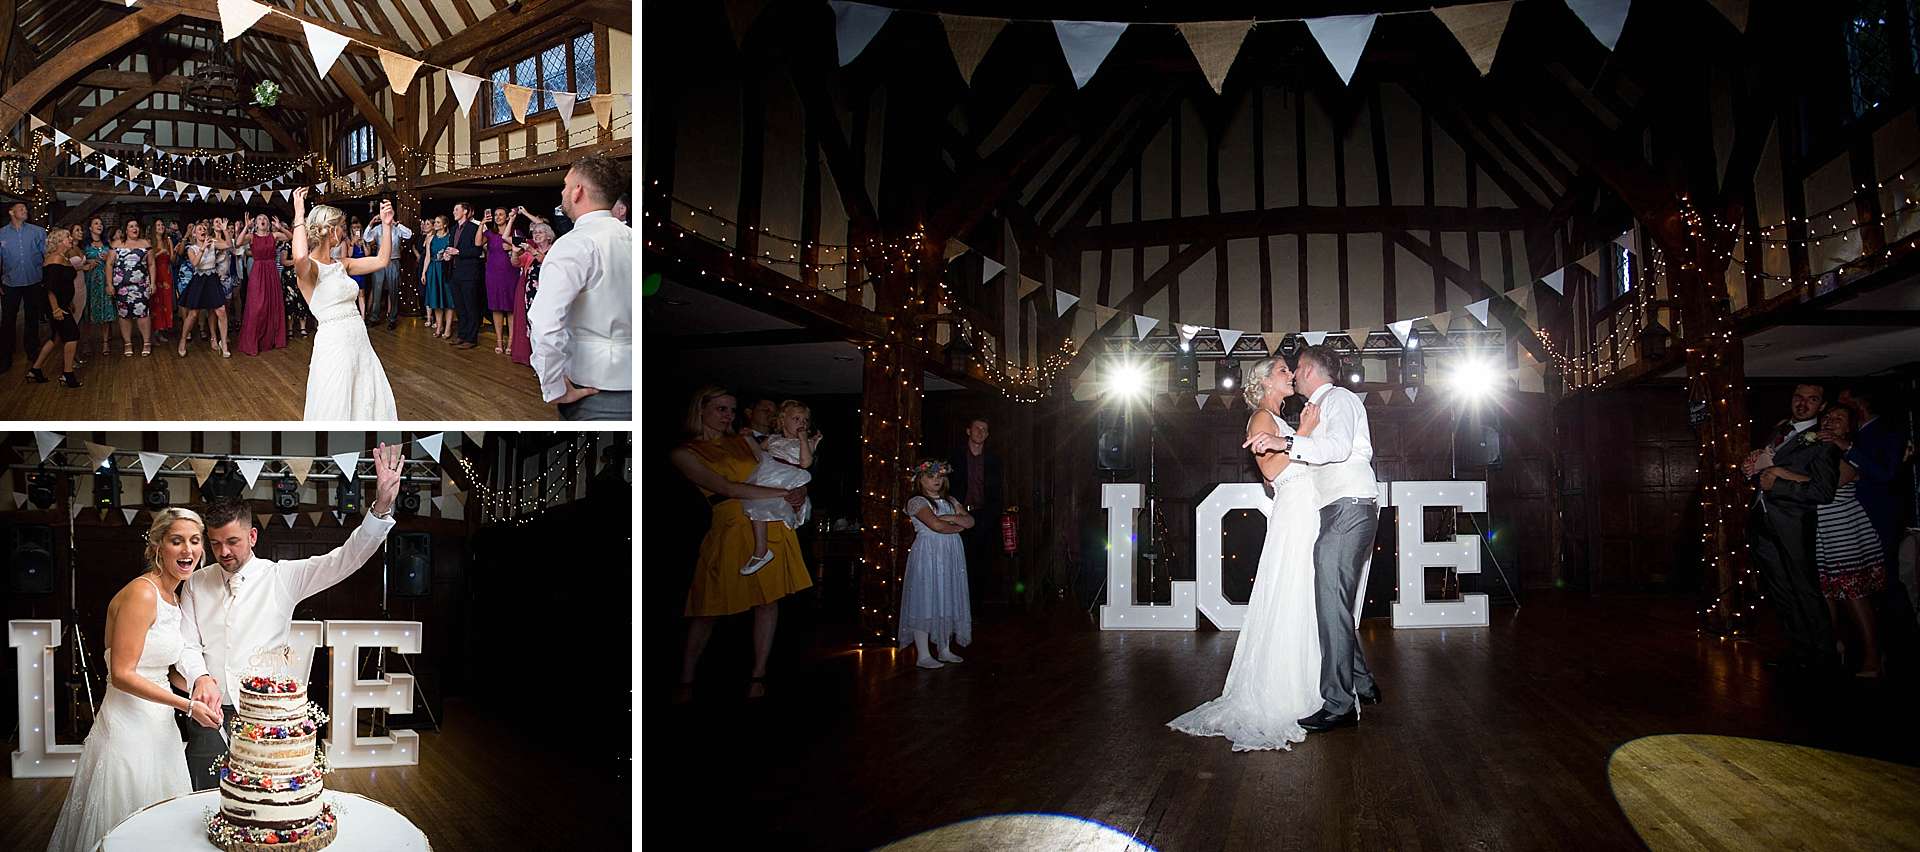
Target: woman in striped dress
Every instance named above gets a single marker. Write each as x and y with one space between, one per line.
1846 550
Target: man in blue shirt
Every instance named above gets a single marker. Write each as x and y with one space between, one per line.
384 288
23 248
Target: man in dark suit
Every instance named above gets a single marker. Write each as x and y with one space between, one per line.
975 482
1780 527
469 273
1874 451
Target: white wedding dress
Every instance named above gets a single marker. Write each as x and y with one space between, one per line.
1274 680
344 380
133 757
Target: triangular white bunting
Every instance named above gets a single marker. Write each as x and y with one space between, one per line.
969 37
1214 45
1063 301
60 137
250 468
1228 337
129 513
1314 338
1478 29
48 442
1604 18
238 16
855 25
1187 332
111 163
563 104
1143 326
1479 310
1086 45
286 195
1342 38
431 445
1412 392
989 268
1400 330
1557 280
151 463
205 193
464 87
346 462
288 518
1200 400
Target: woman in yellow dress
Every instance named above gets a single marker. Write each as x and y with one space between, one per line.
718 462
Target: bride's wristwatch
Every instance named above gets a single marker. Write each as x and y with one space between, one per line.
1288 449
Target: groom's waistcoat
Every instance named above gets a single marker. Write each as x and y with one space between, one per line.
228 620
1340 449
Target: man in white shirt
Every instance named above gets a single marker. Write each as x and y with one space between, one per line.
582 324
385 282
1340 451
245 606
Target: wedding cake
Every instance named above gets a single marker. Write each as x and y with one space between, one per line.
270 776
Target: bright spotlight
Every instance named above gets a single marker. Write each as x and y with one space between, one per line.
1127 380
1473 378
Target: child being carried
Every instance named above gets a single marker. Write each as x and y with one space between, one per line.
784 459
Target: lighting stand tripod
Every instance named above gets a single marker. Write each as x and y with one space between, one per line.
1453 465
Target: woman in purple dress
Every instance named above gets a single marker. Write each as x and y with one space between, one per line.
502 277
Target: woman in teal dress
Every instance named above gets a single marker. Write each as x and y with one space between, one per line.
100 310
436 288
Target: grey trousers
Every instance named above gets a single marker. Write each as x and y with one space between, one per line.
380 286
1346 537
204 746
605 405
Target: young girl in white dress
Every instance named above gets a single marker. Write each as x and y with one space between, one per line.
933 597
784 460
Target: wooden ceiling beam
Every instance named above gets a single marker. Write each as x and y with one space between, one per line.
481 35
1464 278
1299 220
275 129
1137 300
368 110
57 70
121 80
282 22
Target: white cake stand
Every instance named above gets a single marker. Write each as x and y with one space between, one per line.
180 823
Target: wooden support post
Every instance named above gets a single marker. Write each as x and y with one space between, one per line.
889 444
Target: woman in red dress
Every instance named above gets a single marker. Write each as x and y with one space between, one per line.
264 327
162 307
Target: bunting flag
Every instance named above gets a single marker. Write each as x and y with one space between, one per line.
1086 45
1556 280
238 16
1200 400
157 179
1228 339
48 442
299 468
1187 332
400 70
1143 325
111 163
19 500
250 468
1385 397
288 517
1400 330
989 268
1028 286
1062 302
1359 336
563 104
226 195
1413 391
1313 338
1590 263
1478 29
1214 45
517 99
1479 310
431 445
264 519
246 195
202 468
1342 38
130 513
968 38
325 45
1604 18
98 454
1441 321
464 87
1736 12
855 25
479 439
955 248
151 463
34 122
740 18
347 462
60 137
602 110
447 506
205 193
314 517
286 195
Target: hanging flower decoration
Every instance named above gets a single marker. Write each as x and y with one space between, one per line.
266 93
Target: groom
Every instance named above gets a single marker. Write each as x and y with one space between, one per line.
246 606
1340 452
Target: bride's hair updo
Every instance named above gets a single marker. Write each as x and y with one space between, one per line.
163 520
320 222
1254 386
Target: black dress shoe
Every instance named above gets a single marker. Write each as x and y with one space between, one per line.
1322 721
1371 696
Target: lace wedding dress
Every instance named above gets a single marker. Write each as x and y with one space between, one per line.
1274 680
133 756
344 380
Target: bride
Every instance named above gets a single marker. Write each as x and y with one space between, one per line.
344 377
133 757
1275 676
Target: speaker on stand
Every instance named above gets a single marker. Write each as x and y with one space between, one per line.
30 560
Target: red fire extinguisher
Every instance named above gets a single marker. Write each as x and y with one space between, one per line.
1010 529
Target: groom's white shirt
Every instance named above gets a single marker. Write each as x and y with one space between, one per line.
1341 449
227 620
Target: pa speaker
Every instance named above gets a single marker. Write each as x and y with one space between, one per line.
286 495
30 560
1115 431
157 494
1477 445
410 563
409 501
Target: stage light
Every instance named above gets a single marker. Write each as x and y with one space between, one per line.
1230 375
1127 380
106 487
157 495
1473 377
40 490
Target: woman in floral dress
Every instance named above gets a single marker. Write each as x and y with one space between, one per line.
133 286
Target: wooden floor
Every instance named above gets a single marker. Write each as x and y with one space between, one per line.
431 381
487 782
1493 738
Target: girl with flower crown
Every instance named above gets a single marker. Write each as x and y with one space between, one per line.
933 597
